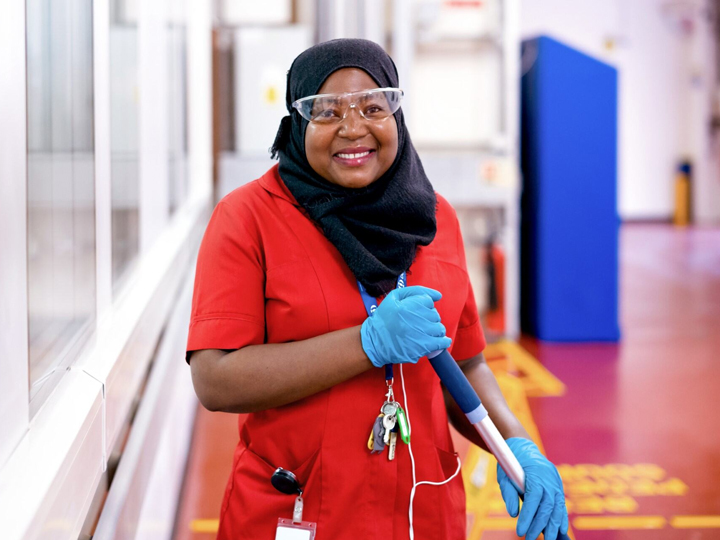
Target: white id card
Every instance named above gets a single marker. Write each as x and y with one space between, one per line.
287 530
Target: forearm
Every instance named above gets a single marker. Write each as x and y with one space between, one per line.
259 377
483 381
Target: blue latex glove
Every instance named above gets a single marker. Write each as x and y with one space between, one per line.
404 327
544 500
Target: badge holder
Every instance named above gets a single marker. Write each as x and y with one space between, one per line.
295 528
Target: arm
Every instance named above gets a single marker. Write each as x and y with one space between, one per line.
259 377
403 328
483 381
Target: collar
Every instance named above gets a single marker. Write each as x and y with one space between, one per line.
272 182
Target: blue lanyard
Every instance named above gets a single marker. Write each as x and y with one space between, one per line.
371 305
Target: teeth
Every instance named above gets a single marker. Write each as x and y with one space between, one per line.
353 156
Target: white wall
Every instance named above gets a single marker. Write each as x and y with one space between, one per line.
663 105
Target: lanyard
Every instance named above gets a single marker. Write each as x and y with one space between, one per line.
371 305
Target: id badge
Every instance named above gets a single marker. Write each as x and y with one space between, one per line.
288 530
296 528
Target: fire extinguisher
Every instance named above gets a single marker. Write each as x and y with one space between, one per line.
495 267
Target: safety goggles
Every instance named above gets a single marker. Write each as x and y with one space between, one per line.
375 104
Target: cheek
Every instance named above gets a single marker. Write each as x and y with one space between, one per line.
388 139
316 145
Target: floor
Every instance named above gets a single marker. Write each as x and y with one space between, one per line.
634 428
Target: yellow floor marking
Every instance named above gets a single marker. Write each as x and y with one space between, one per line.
497 524
695 522
538 381
204 525
604 523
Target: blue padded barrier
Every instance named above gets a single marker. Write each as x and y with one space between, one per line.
570 225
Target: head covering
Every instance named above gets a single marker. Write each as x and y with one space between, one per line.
376 228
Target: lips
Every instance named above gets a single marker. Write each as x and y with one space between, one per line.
354 156
354 150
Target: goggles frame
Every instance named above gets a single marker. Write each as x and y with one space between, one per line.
297 104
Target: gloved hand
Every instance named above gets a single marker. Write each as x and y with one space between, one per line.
544 500
404 327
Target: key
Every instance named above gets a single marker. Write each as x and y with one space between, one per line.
389 408
388 423
393 444
378 435
403 425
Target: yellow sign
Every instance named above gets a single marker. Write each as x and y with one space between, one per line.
271 95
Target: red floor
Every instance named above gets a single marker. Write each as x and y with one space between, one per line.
648 406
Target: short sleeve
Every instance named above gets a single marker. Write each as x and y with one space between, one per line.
228 307
469 338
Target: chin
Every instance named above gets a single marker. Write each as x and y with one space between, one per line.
354 181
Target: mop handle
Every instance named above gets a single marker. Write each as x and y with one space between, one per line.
469 402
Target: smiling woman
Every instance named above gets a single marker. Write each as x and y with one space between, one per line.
287 324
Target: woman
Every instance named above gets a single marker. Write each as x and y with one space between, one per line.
279 328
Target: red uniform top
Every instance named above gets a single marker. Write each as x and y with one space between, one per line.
267 274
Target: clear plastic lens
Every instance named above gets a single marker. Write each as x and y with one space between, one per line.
332 108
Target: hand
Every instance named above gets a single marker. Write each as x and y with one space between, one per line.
544 500
404 327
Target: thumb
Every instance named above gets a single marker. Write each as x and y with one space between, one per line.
509 493
416 290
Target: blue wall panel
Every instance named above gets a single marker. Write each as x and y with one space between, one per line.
570 221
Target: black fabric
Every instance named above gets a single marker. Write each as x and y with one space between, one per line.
376 228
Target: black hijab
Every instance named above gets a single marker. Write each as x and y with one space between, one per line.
376 228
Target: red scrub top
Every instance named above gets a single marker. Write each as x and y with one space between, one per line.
267 274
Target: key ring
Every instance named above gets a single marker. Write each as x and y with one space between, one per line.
390 394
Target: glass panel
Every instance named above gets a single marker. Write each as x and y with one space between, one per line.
61 185
177 103
124 136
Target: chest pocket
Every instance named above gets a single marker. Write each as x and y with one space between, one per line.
295 306
454 286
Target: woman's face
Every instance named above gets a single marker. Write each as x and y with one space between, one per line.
354 135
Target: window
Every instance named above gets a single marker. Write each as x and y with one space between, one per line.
61 187
177 103
124 137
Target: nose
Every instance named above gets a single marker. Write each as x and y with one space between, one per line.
353 123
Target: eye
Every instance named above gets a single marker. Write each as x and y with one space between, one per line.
327 113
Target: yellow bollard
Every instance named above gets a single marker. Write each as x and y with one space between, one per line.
682 195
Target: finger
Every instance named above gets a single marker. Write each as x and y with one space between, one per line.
564 525
556 516
421 308
509 493
416 290
542 517
433 329
533 496
420 302
443 343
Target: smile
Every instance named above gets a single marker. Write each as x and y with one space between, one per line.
354 160
353 156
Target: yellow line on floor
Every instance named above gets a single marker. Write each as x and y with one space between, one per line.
538 380
695 522
204 525
604 523
496 524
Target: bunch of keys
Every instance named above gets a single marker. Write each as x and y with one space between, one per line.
389 422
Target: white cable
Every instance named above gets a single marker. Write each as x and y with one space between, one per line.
412 461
